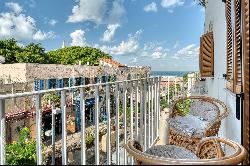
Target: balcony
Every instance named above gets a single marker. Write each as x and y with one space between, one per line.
131 109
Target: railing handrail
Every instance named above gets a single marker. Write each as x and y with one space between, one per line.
23 94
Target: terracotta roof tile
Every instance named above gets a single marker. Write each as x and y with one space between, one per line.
112 62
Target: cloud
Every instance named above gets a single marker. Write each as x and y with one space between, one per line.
39 35
171 4
15 7
86 10
52 22
152 7
131 46
117 13
78 38
176 45
154 51
19 26
133 60
97 11
187 52
109 34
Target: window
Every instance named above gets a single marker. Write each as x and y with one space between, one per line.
207 55
234 59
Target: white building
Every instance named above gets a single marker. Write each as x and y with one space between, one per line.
227 72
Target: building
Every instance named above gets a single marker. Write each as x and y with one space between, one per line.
224 63
110 63
22 77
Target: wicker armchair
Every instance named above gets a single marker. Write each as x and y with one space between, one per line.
203 120
149 158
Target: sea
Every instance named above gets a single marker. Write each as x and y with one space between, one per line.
170 73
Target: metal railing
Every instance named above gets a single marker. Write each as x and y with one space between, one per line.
143 125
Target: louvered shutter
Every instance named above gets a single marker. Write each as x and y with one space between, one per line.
207 55
229 45
245 30
237 48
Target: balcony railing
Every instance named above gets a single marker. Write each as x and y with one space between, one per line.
142 96
134 103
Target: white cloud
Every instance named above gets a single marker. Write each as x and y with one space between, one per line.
131 46
78 38
97 11
133 60
15 7
39 35
52 22
176 45
21 27
152 7
171 4
187 52
117 13
86 10
109 34
154 50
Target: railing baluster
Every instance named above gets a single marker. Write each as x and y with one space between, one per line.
131 116
38 129
82 112
125 118
175 90
97 109
145 114
136 110
152 112
108 124
141 112
155 107
64 128
53 135
117 124
149 112
168 91
2 132
131 110
158 103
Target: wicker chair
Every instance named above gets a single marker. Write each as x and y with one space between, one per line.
150 158
203 120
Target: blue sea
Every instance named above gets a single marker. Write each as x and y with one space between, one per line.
169 73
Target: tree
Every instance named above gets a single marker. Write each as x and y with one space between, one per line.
75 54
35 53
9 49
32 53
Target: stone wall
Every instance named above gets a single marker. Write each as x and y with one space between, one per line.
19 77
28 72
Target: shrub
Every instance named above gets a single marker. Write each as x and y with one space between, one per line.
22 152
184 106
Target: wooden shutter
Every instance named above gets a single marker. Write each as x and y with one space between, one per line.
207 55
229 45
237 48
245 30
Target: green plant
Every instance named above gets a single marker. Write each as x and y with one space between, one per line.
164 103
89 139
22 152
184 106
53 97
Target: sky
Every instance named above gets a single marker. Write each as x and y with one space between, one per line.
163 34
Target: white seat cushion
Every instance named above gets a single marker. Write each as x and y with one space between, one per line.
205 110
188 125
